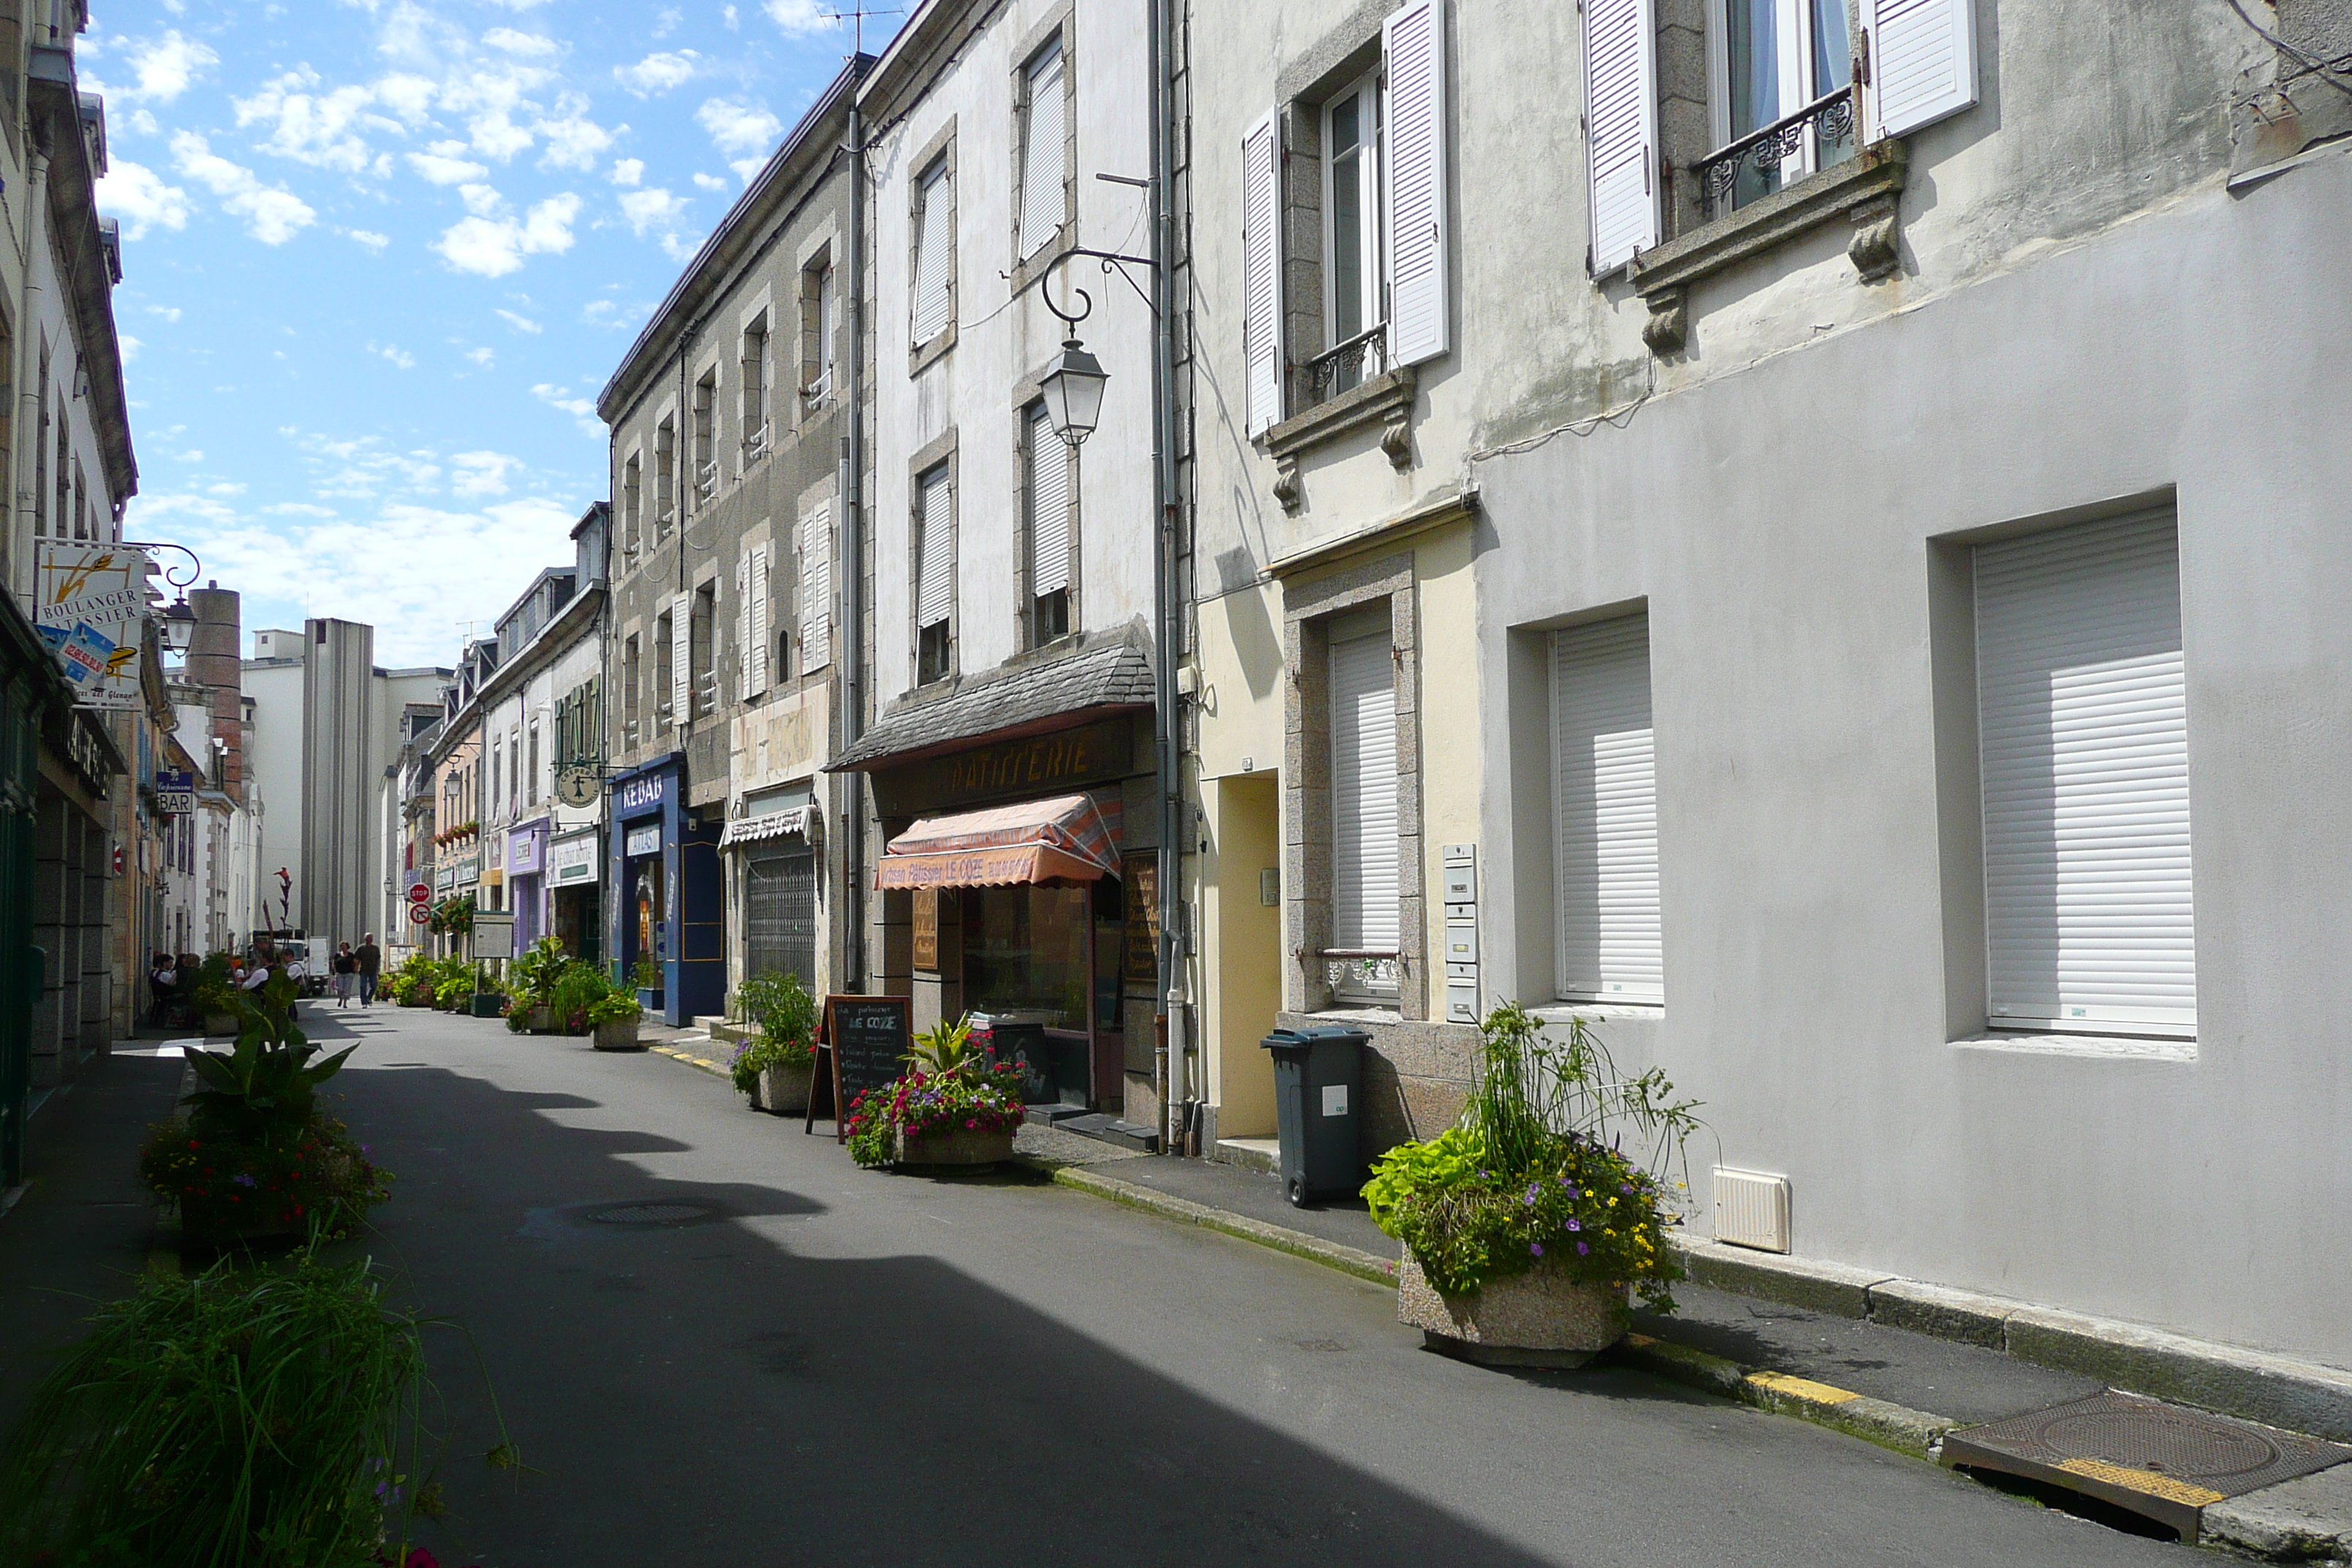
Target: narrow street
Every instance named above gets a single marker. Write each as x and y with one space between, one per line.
836 1365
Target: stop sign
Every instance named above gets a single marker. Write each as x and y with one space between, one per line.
418 893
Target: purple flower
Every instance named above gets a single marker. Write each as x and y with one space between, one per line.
1536 1247
242 1181
1581 1249
1574 1225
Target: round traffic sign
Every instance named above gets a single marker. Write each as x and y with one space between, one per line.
419 893
418 914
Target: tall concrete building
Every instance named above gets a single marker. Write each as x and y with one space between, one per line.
326 724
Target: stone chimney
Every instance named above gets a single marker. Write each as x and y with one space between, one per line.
214 661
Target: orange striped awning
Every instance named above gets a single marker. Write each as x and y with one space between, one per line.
1068 838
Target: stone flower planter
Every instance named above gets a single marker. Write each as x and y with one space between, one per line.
784 1092
220 1022
617 1035
1541 1318
958 1150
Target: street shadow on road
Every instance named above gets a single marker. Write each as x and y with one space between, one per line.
687 1391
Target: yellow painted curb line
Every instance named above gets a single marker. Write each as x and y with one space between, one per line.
2165 1487
1803 1388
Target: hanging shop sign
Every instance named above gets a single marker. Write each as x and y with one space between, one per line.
523 853
90 601
176 791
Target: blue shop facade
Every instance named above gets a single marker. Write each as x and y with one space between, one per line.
667 890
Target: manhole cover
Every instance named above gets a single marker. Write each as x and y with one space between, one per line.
667 1211
2157 1461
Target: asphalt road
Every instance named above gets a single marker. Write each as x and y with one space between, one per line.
836 1366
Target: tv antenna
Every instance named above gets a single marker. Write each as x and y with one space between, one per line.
856 15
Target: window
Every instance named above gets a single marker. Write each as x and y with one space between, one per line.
934 576
1779 56
2083 732
703 650
531 789
669 664
1046 497
751 621
631 674
665 477
706 437
1364 861
934 303
817 332
1352 228
65 468
497 754
514 772
1045 152
631 499
759 385
1605 814
814 548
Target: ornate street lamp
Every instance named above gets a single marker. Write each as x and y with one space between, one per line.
1072 391
179 625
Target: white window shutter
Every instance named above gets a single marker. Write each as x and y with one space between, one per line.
1922 62
1414 39
935 218
816 590
681 653
743 687
756 625
934 560
1262 271
1605 814
1620 128
1044 153
1364 891
1049 506
2083 746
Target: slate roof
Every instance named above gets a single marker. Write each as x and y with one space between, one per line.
1028 699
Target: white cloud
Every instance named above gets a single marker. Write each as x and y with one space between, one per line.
657 72
273 214
515 43
574 141
442 170
493 247
651 208
165 67
583 410
727 13
710 181
169 312
629 171
317 125
520 323
298 509
129 345
739 128
369 237
138 195
799 18
484 357
481 473
666 20
393 352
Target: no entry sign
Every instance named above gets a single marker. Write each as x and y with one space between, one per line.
418 914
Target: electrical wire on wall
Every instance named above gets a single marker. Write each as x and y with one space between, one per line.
1616 418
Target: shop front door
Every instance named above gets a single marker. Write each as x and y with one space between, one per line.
780 908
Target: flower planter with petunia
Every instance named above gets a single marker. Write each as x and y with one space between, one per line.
1528 1226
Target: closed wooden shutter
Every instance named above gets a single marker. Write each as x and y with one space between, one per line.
1363 796
1049 506
1418 320
756 623
2083 737
1922 62
816 590
1605 813
1620 128
1044 153
743 687
934 553
681 652
935 219
1262 272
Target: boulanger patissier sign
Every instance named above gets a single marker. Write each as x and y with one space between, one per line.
89 603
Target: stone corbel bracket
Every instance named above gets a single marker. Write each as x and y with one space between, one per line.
1385 400
1865 190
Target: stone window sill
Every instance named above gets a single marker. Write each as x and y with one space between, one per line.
1862 189
1385 400
923 356
2110 1048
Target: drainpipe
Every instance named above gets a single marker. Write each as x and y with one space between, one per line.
31 393
1176 1088
849 590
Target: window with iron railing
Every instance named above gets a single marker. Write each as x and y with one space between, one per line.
1784 106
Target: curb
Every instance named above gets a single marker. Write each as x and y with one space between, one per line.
701 1064
1898 1426
1297 1242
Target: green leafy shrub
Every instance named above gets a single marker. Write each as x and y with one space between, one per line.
1537 1168
645 975
786 1016
611 1007
216 988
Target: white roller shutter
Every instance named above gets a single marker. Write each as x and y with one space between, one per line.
681 652
1414 39
1363 795
2084 736
1922 62
934 553
935 218
1049 506
1262 271
1605 813
816 590
1044 153
1620 128
757 627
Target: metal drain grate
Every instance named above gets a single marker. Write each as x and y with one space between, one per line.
664 1213
2157 1460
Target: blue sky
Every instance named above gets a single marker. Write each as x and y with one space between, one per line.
380 255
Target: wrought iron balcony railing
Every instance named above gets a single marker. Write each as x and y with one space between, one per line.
1753 166
1346 364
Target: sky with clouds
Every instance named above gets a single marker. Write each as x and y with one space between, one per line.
379 257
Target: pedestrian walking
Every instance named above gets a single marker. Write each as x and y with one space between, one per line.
346 966
371 960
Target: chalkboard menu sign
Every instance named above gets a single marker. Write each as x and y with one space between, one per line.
863 1046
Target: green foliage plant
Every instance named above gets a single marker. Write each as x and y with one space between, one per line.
611 1007
785 1015
215 990
645 975
265 1087
1537 1166
944 1050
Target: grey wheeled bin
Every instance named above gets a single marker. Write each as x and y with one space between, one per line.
1318 1077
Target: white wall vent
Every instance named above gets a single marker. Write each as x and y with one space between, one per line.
1751 1209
